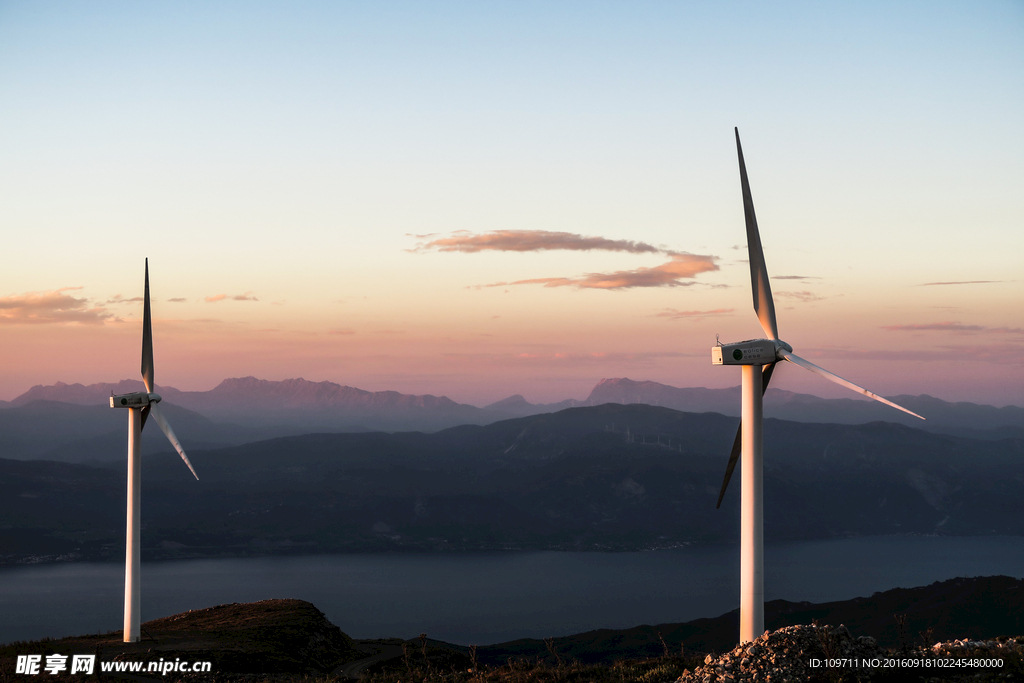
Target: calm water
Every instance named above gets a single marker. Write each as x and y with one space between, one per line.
494 597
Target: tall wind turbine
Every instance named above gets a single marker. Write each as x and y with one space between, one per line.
758 358
140 405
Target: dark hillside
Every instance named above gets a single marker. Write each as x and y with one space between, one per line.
973 608
608 477
270 636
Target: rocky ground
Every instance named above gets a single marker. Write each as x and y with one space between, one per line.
831 653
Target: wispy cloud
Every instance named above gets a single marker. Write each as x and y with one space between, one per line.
177 300
53 307
951 327
800 296
341 331
796 277
965 282
673 314
671 274
531 240
236 297
118 299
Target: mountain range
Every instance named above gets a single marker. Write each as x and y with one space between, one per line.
607 477
71 422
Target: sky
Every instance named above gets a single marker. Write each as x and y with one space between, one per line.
483 199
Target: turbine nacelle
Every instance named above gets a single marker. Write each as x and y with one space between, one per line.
139 399
751 352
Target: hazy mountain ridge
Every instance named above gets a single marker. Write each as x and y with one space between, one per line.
277 408
247 409
601 478
81 433
961 418
250 393
968 419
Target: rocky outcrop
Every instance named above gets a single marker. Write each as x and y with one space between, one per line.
788 654
812 653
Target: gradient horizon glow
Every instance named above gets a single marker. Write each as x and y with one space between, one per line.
483 199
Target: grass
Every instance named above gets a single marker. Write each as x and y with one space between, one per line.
445 666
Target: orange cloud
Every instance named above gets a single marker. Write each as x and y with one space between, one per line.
673 314
344 331
54 307
682 266
237 297
532 240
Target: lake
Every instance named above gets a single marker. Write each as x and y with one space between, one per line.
485 598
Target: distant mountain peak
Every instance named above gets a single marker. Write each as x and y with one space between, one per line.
81 394
511 403
618 381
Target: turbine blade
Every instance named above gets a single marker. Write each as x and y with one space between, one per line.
147 338
734 456
162 421
764 305
145 414
832 377
737 443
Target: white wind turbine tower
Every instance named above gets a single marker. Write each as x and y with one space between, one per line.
758 358
140 405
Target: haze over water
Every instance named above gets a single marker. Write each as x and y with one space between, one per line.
494 597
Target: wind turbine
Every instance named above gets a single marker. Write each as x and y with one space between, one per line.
140 405
758 358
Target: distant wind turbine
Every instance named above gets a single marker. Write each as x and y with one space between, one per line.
140 405
758 358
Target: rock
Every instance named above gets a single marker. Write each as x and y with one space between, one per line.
783 656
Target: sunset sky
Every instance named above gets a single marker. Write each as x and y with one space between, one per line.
478 199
